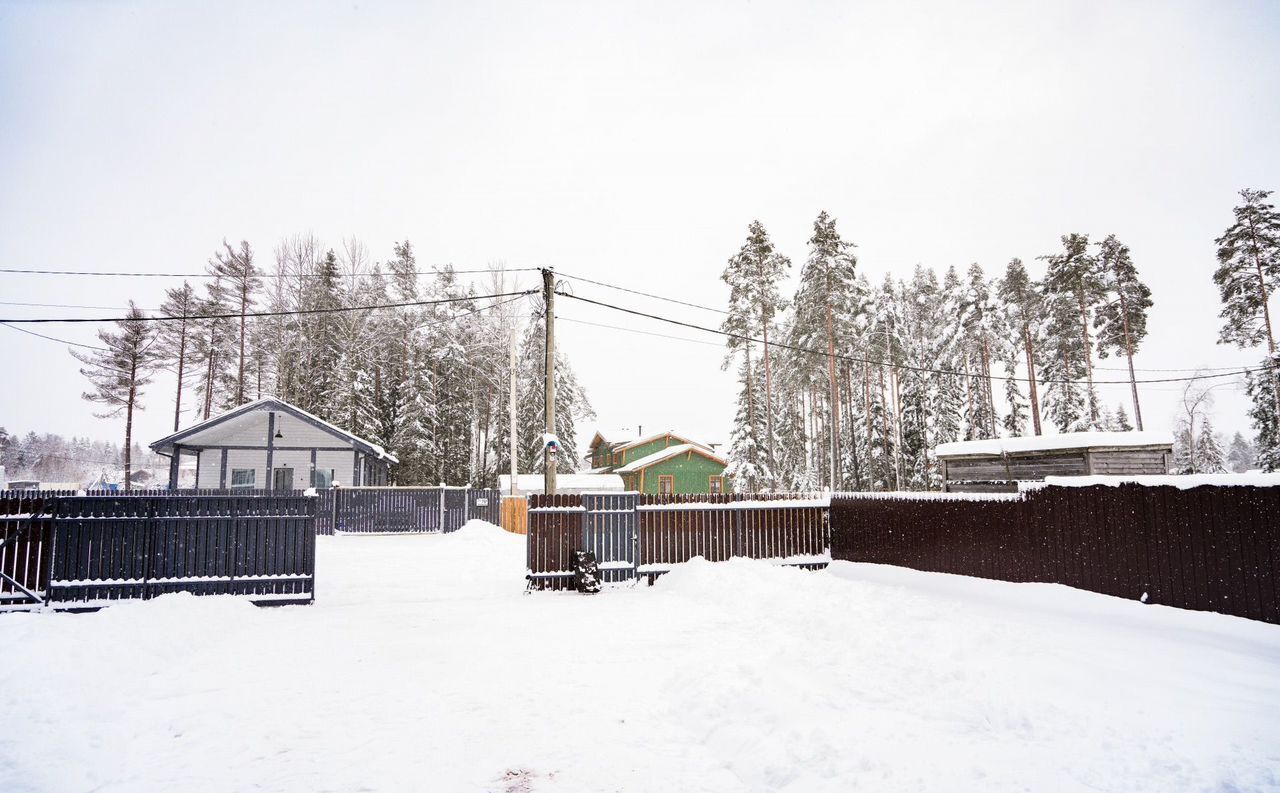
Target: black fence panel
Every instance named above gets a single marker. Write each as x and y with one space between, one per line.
1211 548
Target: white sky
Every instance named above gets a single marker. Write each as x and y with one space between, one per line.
632 143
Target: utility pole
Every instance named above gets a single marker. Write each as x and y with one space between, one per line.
548 459
511 400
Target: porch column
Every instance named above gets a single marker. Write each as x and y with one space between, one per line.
173 467
271 449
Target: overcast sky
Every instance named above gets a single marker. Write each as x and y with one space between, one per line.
631 143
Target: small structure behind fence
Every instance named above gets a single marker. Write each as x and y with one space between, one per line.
85 551
1206 548
636 534
401 510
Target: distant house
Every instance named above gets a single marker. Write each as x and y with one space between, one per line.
999 464
269 444
662 463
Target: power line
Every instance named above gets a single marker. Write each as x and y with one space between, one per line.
294 312
909 367
51 338
634 330
14 271
643 294
721 311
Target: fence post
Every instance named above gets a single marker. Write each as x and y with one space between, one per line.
466 505
737 532
443 528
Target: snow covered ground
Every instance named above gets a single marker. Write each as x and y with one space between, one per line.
423 667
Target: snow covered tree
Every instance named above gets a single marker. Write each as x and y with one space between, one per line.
1241 454
1195 407
1023 304
1260 385
1122 320
240 278
1074 287
748 465
826 305
1117 421
753 275
119 372
1209 456
1248 265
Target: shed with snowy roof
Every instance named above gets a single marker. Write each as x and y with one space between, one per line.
997 465
269 444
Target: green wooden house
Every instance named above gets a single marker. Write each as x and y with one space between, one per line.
662 463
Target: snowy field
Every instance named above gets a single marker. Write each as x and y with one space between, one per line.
424 667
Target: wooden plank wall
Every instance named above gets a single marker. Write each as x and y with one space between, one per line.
1205 548
515 514
673 529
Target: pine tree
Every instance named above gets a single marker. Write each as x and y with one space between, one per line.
1209 455
1241 455
174 340
1120 421
748 465
1074 286
1122 321
241 279
826 305
1023 305
753 275
119 372
1260 385
1248 265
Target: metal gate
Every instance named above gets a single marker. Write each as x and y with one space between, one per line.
611 529
410 510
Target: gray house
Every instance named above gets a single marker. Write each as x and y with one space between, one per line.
269 444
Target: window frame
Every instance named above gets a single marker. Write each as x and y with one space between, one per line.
667 478
333 473
715 484
250 485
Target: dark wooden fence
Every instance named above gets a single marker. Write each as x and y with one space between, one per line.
394 510
1206 548
84 551
644 535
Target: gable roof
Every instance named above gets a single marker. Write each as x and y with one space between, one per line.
271 403
667 454
659 436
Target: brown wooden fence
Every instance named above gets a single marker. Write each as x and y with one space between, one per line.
1206 548
643 535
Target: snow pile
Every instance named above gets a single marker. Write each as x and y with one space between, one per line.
1180 481
424 666
1066 440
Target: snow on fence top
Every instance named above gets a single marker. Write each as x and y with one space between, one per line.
1066 440
533 483
1180 481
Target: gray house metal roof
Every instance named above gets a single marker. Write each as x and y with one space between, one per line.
165 445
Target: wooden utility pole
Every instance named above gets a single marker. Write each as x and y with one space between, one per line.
548 459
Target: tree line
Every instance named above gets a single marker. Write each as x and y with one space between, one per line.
428 382
851 384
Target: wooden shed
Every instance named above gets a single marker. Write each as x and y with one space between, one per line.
997 465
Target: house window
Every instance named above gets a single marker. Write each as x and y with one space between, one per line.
617 458
666 485
322 478
243 478
715 484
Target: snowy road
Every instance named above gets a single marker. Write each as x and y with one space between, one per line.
423 667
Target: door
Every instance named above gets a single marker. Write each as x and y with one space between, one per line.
282 479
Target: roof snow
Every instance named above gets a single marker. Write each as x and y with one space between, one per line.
668 453
1066 440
